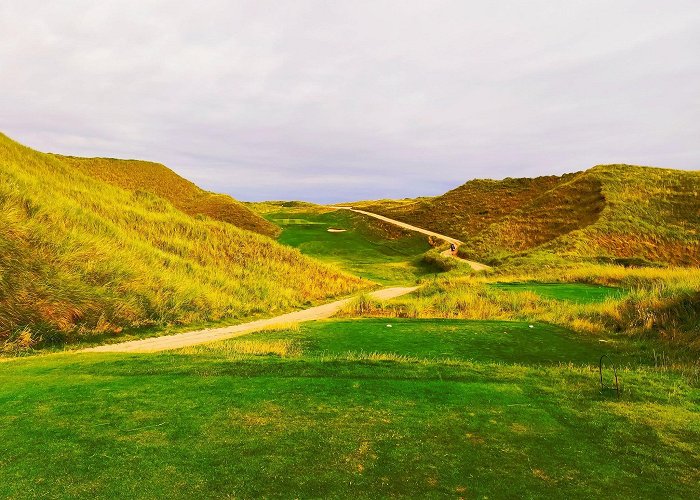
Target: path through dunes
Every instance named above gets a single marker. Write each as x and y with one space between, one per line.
477 266
176 341
168 342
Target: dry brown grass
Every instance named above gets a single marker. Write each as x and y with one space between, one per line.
148 177
82 257
607 212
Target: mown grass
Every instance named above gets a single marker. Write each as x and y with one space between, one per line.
368 248
80 257
449 340
355 410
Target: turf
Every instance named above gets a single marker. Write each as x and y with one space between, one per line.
482 341
367 248
581 293
214 422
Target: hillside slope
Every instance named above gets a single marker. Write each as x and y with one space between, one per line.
464 211
137 175
652 213
80 256
609 211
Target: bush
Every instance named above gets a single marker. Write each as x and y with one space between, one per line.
435 258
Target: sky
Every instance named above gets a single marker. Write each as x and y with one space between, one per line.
332 101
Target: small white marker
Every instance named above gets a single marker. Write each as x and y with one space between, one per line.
388 326
532 326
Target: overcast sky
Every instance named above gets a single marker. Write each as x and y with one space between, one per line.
345 100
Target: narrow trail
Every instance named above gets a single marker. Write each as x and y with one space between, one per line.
156 344
477 266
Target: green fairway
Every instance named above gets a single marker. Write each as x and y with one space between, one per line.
365 247
573 292
349 410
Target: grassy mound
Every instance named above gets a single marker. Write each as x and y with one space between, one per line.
79 256
467 209
608 212
649 213
137 175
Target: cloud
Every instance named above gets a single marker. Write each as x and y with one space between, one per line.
331 101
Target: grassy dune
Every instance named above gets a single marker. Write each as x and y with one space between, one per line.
650 213
82 257
144 176
608 212
468 209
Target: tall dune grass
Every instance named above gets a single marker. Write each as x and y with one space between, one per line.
79 256
659 302
607 212
148 177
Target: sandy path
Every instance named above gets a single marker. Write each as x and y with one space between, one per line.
179 340
477 266
176 341
404 225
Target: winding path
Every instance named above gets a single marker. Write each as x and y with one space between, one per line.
477 266
165 343
176 341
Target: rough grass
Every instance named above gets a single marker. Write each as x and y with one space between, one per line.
651 213
659 303
247 347
466 210
607 212
147 177
80 257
